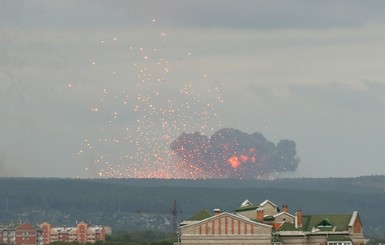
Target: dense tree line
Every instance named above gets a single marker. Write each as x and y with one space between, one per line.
140 238
107 201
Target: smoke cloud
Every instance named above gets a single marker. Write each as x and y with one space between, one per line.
231 153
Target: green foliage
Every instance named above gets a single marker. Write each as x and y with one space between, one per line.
65 243
376 241
148 237
112 201
136 236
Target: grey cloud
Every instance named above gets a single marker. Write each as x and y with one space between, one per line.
45 121
249 14
282 14
71 13
339 95
261 14
258 90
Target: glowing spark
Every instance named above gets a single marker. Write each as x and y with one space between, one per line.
138 123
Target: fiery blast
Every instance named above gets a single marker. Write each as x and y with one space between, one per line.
232 153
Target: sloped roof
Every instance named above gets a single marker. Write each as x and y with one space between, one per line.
202 214
353 218
268 201
283 213
246 208
246 203
287 226
235 216
339 222
271 203
268 217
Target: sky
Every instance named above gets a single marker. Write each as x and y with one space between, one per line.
100 88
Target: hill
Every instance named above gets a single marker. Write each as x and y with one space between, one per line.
148 203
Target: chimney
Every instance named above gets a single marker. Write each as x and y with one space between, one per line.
260 214
285 208
298 219
217 211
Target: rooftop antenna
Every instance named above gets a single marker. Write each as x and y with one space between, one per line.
174 218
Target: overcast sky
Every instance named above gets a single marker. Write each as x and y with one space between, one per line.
99 88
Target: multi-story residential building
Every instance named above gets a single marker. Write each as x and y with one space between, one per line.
82 233
266 224
26 234
20 234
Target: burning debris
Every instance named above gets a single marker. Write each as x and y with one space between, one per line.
233 153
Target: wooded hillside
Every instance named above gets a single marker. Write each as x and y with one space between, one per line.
148 203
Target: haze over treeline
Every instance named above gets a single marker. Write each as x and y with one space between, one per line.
130 203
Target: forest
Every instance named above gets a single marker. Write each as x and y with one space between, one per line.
148 204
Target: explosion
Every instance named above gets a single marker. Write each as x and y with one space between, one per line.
232 153
146 101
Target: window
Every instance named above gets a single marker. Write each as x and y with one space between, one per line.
340 243
324 223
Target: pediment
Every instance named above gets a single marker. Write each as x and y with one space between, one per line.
282 214
268 203
226 217
246 203
226 228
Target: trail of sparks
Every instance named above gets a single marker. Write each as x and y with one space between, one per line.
138 123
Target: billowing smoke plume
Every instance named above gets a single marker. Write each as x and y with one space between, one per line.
232 153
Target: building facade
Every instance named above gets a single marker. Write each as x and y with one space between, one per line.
226 228
265 224
26 234
20 234
81 233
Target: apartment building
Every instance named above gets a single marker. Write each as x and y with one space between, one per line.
20 234
82 233
266 224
